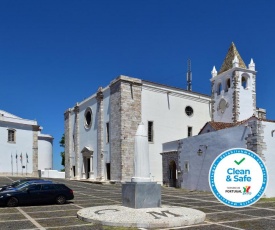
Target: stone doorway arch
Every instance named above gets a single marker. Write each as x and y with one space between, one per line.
172 174
87 163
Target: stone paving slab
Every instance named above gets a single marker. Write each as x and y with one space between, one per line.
166 216
24 224
256 212
260 224
226 216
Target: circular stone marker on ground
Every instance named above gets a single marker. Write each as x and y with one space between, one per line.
166 216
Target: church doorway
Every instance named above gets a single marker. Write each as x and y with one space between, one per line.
87 163
172 174
108 169
88 168
73 170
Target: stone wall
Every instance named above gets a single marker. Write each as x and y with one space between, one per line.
68 150
100 125
236 94
76 143
125 115
167 158
35 130
255 140
212 100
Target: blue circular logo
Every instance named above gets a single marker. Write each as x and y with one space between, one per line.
238 177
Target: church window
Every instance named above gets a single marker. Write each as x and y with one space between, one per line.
219 88
186 166
150 131
88 118
11 135
107 133
189 131
244 82
189 111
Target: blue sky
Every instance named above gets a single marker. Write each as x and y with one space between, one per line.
56 53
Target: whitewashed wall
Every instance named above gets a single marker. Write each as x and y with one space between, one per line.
88 137
52 174
23 144
45 152
167 111
228 96
246 108
217 142
269 156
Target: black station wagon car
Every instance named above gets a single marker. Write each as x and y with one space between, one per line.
37 193
22 183
16 183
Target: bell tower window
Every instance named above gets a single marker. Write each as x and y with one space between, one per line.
228 83
244 82
219 88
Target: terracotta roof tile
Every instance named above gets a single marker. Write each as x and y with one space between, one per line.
223 125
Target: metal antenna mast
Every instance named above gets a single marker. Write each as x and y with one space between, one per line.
189 75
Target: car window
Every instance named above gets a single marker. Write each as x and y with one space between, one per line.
34 187
60 186
47 187
15 183
22 185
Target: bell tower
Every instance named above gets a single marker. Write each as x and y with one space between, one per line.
233 94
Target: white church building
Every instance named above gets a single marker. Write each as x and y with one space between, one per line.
236 122
100 130
24 149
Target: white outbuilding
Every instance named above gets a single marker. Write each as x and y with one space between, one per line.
24 149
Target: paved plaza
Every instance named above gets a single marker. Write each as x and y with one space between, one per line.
260 216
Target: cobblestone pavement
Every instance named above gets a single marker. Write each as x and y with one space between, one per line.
260 216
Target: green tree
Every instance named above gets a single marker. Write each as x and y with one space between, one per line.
62 154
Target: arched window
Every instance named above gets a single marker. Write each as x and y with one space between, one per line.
88 118
244 82
219 88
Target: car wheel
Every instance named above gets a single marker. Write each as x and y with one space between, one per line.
60 199
12 202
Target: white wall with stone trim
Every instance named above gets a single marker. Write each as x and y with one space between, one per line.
87 136
217 142
137 99
165 106
246 101
23 144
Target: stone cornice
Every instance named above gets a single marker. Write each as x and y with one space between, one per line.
170 152
67 114
125 79
228 72
76 108
99 94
